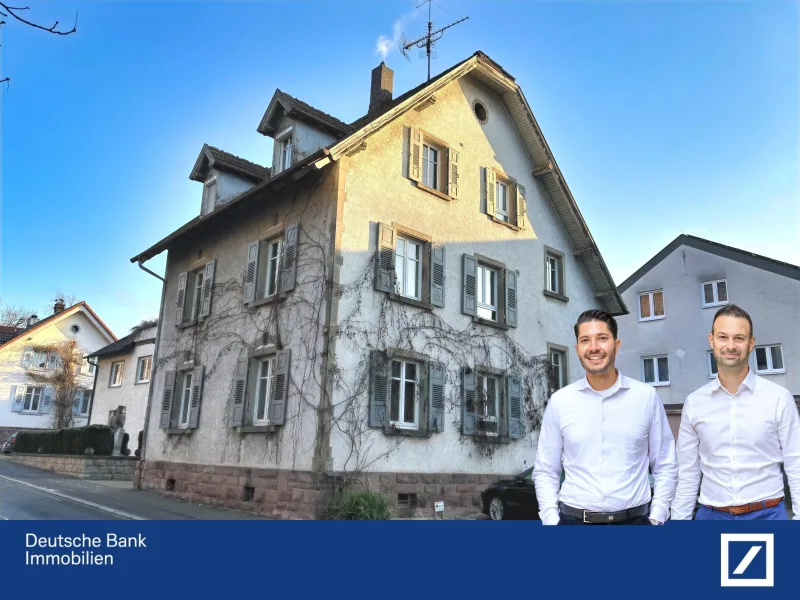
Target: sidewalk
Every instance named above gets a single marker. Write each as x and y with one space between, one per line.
119 498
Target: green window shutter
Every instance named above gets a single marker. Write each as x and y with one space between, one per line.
468 401
208 288
489 193
436 379
384 264
516 426
379 386
166 400
468 297
179 302
15 397
521 206
197 396
289 266
239 391
511 278
251 273
452 162
280 392
437 275
415 155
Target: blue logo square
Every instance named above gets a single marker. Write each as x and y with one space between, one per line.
745 562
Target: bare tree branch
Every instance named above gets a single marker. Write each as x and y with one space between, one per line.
10 11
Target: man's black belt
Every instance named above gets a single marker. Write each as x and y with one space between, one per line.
620 516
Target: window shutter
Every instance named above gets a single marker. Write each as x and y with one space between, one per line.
468 397
452 163
521 206
52 361
27 357
239 391
384 267
415 155
490 191
436 376
511 279
281 388
47 398
181 297
251 274
76 403
379 380
15 399
468 298
197 396
208 289
166 400
289 270
437 275
516 428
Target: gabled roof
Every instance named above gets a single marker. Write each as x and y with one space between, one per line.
743 256
219 159
298 109
79 307
6 333
125 344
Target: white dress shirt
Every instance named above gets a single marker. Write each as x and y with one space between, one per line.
605 441
737 442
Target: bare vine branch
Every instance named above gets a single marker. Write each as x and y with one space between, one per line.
10 11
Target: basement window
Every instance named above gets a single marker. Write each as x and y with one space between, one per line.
248 493
407 501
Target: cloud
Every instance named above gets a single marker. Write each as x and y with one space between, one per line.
385 44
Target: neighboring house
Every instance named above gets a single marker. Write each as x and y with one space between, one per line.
123 379
673 299
25 404
385 307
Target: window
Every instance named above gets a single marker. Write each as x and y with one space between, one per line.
42 359
185 391
209 195
196 294
558 361
651 305
272 271
408 268
501 201
715 293
488 404
655 370
769 359
143 369
116 374
491 404
33 396
504 198
712 365
82 400
404 401
74 328
554 274
92 366
487 292
271 267
432 164
480 112
284 153
264 384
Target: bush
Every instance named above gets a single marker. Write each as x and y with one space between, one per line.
74 441
360 506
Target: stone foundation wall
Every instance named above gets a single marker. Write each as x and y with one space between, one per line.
283 494
83 467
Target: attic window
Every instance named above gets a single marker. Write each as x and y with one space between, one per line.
74 328
480 112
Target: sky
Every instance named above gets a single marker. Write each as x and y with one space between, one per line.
665 118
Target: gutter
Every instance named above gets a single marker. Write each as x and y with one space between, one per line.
94 389
146 270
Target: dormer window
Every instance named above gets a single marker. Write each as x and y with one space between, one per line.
283 150
286 153
209 195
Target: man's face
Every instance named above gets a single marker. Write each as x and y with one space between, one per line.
731 342
596 347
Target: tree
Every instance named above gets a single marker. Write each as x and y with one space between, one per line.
7 11
14 316
65 379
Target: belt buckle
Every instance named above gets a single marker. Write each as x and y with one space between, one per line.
584 517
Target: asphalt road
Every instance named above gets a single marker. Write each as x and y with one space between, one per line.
19 502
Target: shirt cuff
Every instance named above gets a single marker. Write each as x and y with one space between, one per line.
550 516
659 513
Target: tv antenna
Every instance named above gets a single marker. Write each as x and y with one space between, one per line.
427 40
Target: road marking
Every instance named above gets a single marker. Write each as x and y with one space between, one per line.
108 509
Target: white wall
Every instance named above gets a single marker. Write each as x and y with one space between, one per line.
229 186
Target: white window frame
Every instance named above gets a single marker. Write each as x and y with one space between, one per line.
481 415
503 214
285 142
272 267
555 267
400 423
427 146
116 374
560 366
402 261
654 358
653 316
185 400
711 361
139 364
770 370
480 292
197 293
34 392
714 283
265 383
209 203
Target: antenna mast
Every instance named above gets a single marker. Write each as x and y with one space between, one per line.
427 40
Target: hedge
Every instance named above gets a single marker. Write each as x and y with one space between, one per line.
74 440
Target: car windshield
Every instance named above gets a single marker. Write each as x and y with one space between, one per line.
526 474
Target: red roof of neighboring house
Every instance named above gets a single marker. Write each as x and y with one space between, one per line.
38 324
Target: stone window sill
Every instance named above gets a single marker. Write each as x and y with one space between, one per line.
257 429
416 433
411 301
490 439
496 324
279 297
187 324
556 295
180 431
441 195
511 226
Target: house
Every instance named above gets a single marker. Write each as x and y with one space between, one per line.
123 379
676 294
383 310
25 404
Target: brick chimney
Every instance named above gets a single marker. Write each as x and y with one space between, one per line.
380 92
59 306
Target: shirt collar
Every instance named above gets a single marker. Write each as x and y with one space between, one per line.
621 383
749 382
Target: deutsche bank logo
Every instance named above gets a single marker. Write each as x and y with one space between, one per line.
748 560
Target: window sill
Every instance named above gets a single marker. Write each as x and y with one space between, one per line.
140 382
411 301
186 324
715 304
30 412
556 296
778 372
480 438
416 433
441 195
652 319
279 297
257 429
660 384
115 386
511 226
495 324
180 431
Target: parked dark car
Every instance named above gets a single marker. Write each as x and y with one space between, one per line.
8 447
511 498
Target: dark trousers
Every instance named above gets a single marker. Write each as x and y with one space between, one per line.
565 520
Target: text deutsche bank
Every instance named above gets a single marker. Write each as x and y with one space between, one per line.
82 549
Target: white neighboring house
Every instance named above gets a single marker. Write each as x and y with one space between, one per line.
25 404
123 379
673 299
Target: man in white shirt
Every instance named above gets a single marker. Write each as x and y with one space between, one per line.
606 431
735 432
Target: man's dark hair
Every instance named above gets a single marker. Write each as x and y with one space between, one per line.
731 310
597 315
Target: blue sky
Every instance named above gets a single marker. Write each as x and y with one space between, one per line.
665 117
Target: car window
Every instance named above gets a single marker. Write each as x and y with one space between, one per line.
527 474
